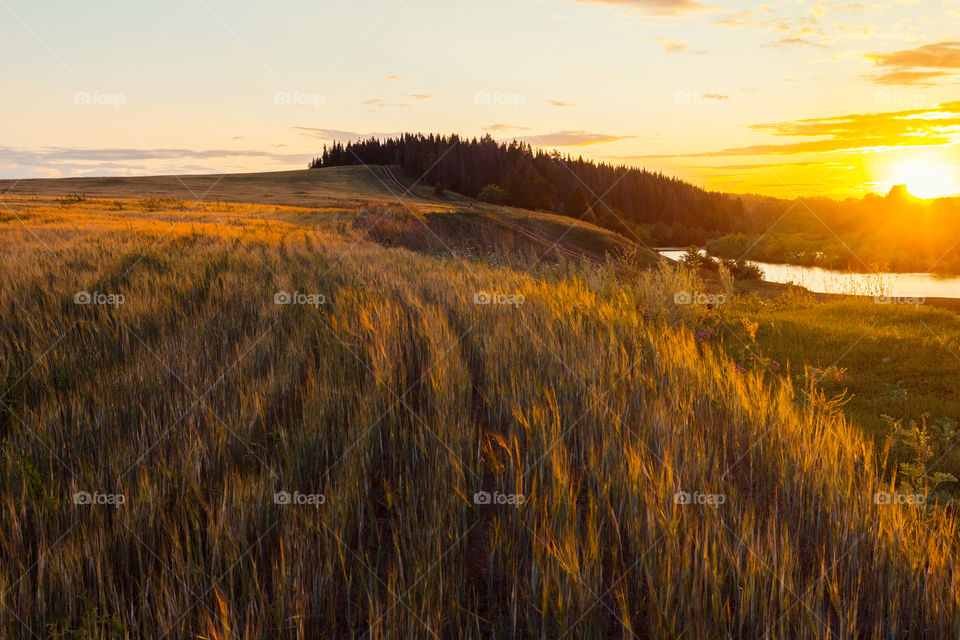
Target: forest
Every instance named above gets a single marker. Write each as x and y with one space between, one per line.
639 204
872 232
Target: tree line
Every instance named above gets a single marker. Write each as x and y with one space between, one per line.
625 199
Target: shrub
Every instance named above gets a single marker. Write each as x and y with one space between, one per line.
493 194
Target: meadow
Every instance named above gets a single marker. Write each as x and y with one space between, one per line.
268 421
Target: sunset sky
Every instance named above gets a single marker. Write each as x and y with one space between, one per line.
787 98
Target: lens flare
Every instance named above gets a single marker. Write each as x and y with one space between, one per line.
925 179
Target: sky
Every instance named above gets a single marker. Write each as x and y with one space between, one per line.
794 98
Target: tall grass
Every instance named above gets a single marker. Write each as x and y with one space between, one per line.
398 398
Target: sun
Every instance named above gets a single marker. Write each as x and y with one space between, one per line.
925 179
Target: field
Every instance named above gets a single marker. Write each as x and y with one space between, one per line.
273 420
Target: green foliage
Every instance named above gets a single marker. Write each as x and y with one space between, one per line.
695 258
492 194
923 444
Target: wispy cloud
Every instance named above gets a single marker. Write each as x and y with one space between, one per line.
674 46
505 127
915 78
426 96
657 7
560 103
339 135
17 162
918 66
399 78
378 102
571 139
792 41
935 126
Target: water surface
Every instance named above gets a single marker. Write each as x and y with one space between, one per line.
819 280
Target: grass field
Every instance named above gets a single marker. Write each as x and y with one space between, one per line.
301 418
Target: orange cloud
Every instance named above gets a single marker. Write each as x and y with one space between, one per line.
570 139
919 66
505 127
377 102
660 7
935 126
918 78
674 46
943 55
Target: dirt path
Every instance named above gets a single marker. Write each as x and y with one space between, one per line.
550 243
393 179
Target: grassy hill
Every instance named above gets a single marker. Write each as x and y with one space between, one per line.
453 222
315 431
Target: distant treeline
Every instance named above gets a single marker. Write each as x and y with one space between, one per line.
635 202
896 231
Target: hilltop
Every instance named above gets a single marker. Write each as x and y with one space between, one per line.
452 221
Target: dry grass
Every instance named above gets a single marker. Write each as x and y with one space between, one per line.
398 398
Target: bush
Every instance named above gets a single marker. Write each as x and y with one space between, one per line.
493 194
744 269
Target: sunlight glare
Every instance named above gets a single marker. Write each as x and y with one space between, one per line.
925 179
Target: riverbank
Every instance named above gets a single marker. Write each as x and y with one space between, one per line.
773 289
833 281
896 360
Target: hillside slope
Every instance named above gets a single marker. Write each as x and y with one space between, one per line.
315 436
453 221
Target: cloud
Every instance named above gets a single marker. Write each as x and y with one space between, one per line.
52 161
917 66
935 126
570 139
398 77
377 102
790 41
343 136
751 166
426 96
505 127
657 7
45 172
942 55
61 154
674 46
560 103
744 18
916 78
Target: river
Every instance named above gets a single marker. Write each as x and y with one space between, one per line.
899 285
